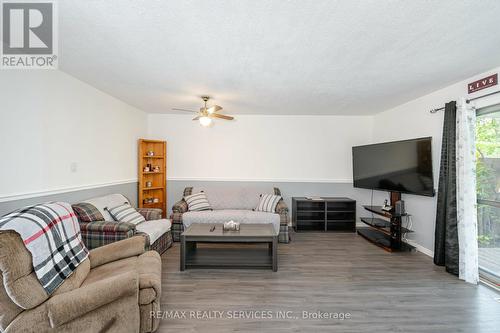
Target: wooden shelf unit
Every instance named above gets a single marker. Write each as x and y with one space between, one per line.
327 214
158 188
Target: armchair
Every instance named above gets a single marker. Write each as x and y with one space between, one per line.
113 290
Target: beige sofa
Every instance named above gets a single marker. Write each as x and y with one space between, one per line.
235 204
113 290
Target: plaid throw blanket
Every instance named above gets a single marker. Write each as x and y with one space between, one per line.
51 234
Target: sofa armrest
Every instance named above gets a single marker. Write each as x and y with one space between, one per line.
100 233
126 248
178 210
180 207
68 306
282 210
107 227
150 213
281 207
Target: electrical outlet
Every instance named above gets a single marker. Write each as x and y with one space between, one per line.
73 167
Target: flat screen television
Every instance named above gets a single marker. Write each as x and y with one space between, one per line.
398 166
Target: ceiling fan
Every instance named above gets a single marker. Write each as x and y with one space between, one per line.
206 113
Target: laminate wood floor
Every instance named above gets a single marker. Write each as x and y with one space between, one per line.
334 273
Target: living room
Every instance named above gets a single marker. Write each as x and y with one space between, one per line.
233 166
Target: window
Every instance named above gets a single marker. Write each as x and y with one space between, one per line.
488 191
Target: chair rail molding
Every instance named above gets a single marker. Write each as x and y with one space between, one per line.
264 180
27 195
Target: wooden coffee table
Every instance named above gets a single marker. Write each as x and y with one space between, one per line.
229 257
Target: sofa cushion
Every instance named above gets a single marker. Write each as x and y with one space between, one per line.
224 215
151 213
125 213
8 309
76 279
87 212
268 203
147 265
241 197
154 228
111 200
197 202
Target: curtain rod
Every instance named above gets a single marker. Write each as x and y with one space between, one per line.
467 100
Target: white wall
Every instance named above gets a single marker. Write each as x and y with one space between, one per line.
49 120
277 148
413 120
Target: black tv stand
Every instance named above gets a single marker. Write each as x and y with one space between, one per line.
324 214
384 233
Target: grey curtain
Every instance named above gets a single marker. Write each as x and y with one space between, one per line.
446 235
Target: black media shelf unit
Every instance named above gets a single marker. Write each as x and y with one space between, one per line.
386 234
325 214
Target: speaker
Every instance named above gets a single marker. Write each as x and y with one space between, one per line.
399 208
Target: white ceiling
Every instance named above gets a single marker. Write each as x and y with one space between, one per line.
277 57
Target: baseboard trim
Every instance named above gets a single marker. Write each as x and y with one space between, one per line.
264 180
421 249
27 195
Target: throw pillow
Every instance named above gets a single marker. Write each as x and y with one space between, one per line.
268 203
126 213
197 202
87 212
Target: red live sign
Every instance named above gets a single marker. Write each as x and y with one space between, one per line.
487 82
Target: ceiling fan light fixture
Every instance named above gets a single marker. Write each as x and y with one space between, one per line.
205 121
206 114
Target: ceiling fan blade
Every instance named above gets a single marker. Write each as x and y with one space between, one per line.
214 108
184 110
196 118
216 115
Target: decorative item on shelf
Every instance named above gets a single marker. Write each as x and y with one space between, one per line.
156 168
151 153
156 200
399 208
231 226
146 169
386 207
150 200
149 184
